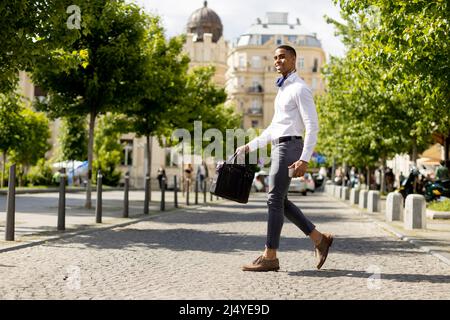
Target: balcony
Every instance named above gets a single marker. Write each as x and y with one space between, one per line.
255 89
255 111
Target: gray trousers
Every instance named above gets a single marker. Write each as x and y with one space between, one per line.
283 155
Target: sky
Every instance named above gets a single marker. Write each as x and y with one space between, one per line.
238 15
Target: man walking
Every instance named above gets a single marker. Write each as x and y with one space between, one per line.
295 113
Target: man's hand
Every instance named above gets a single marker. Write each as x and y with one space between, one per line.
242 149
299 168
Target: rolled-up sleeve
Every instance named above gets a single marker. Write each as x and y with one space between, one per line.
308 113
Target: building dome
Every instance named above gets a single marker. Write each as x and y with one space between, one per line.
205 20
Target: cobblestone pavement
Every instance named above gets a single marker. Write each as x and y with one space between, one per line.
197 254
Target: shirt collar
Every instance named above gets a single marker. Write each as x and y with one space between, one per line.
281 80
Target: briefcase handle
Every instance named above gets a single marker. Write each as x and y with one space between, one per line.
232 159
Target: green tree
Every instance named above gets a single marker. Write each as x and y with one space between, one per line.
107 149
409 40
372 110
73 138
101 70
11 126
27 32
34 142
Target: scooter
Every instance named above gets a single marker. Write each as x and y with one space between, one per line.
407 186
437 189
431 190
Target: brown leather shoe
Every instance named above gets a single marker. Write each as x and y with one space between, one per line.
322 248
262 264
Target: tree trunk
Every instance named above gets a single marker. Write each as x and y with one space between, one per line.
447 149
344 175
88 204
333 171
149 165
2 180
382 176
414 151
368 178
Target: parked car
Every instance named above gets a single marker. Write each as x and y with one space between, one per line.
302 184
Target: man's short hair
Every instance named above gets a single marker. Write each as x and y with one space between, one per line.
288 48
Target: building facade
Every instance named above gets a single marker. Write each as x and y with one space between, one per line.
251 75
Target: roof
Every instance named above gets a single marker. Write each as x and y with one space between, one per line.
205 20
276 24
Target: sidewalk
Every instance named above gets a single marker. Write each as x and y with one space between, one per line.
37 213
435 239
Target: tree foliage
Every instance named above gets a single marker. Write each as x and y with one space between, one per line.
390 91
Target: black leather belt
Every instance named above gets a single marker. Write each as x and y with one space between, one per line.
284 139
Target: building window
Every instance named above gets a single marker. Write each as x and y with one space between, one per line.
301 63
256 85
241 82
292 39
241 61
256 62
279 40
256 106
255 123
316 65
127 152
265 38
168 157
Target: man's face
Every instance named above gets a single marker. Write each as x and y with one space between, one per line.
284 61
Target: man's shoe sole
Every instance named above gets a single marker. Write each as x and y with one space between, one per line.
265 270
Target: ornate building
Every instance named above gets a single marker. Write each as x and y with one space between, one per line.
251 75
205 44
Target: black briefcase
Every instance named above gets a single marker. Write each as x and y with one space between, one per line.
233 181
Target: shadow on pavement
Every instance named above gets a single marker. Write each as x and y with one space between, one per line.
212 215
335 273
212 241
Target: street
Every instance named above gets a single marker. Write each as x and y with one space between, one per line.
197 253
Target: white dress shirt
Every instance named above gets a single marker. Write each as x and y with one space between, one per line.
295 115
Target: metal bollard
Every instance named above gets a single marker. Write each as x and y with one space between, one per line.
125 202
175 190
210 195
196 191
163 194
147 194
187 191
149 188
62 201
98 208
204 191
11 205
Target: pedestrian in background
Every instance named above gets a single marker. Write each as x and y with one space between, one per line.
442 171
160 176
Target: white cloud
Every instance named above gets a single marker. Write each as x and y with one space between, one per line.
238 15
